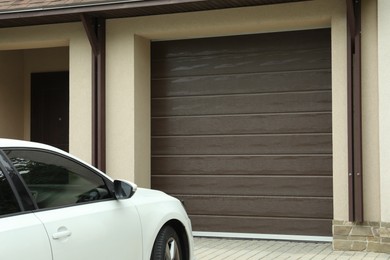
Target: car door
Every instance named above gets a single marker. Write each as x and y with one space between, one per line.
82 219
22 235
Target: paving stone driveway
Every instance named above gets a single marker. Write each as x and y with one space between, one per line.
228 249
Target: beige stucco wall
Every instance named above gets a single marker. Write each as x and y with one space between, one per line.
38 47
384 101
11 89
370 131
128 106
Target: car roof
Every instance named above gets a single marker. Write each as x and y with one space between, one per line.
13 143
8 143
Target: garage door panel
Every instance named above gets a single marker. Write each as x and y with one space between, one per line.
320 165
304 186
283 226
242 130
294 40
243 124
283 60
236 145
293 207
248 83
319 101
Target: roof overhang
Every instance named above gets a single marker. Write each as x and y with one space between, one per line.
39 15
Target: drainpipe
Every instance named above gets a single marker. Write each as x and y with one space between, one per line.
355 165
95 29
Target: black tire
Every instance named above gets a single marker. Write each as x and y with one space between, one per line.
167 245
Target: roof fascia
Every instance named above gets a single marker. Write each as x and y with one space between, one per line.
89 8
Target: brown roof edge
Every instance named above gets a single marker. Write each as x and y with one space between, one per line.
16 6
118 9
86 6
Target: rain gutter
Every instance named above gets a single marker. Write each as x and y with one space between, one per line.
355 164
95 29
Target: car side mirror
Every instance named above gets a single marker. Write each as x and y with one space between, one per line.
124 189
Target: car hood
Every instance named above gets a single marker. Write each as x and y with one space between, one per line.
143 196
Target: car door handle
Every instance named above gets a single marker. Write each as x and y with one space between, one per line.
62 234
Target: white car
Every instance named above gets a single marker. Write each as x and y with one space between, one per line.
54 206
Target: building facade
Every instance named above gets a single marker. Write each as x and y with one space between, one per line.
242 112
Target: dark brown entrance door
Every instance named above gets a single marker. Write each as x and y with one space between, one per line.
50 108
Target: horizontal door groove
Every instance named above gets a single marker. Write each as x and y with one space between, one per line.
238 176
237 187
317 58
243 125
292 226
262 144
200 176
239 155
246 94
240 64
259 206
244 104
269 165
241 84
156 77
244 135
242 52
259 217
247 73
176 175
227 196
244 114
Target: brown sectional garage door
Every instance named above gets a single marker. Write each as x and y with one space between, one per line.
242 131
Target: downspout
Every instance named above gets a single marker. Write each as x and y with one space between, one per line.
355 165
96 31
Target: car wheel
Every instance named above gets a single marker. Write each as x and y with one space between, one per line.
167 245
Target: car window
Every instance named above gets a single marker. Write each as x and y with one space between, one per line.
55 181
8 202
